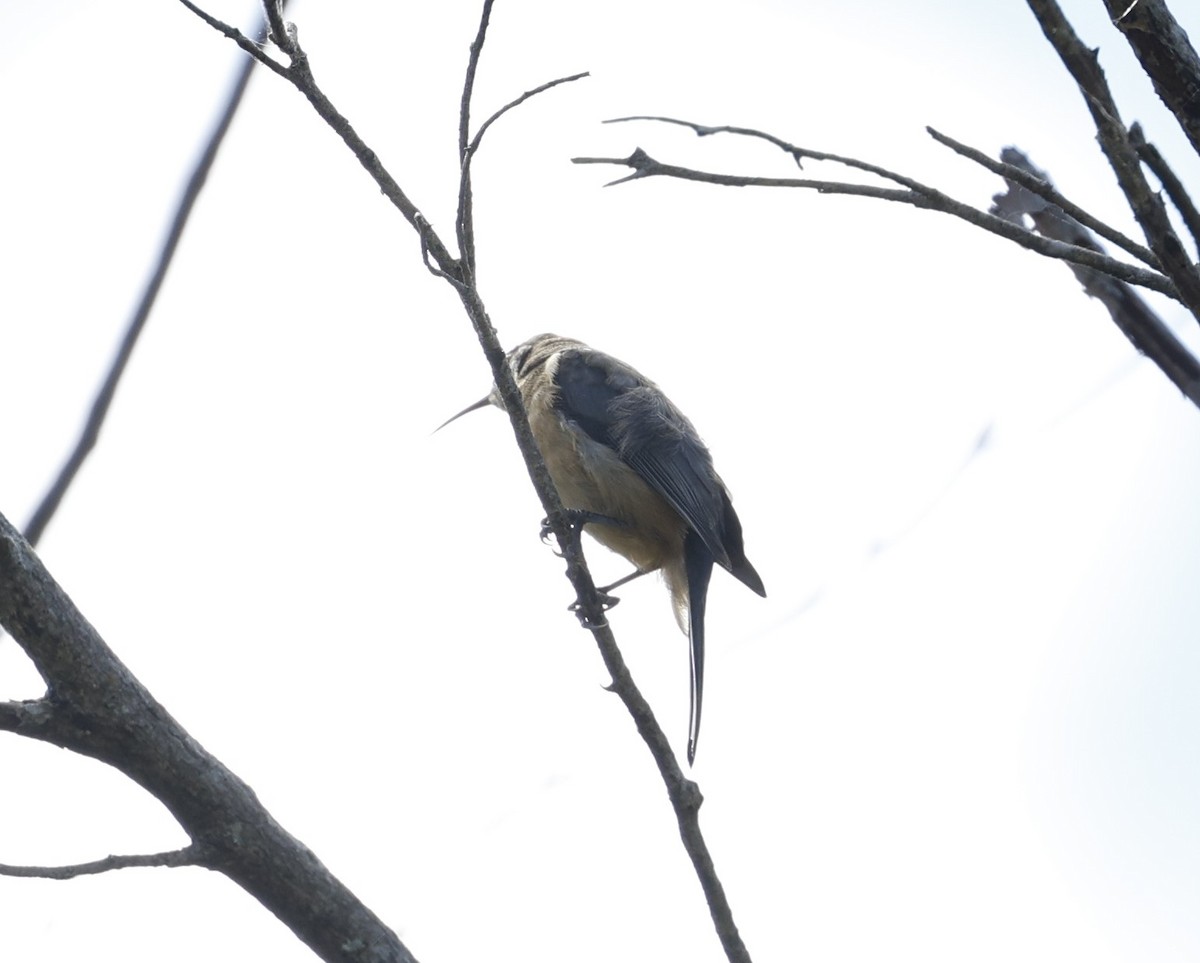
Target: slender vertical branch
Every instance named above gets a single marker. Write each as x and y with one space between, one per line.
464 221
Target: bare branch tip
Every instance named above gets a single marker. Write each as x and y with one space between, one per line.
188 856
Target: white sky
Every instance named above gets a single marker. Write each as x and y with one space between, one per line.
961 727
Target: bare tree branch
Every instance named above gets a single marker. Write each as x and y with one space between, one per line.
919 195
36 526
1045 190
299 74
1136 320
106 714
1148 208
1178 194
100 710
1063 228
249 46
468 146
797 153
1168 57
464 223
188 856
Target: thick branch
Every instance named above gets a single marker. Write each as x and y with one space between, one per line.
1168 57
100 710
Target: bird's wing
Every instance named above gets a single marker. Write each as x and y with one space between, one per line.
619 408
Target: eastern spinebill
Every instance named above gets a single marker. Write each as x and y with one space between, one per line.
625 457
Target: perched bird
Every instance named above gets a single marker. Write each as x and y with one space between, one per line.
626 458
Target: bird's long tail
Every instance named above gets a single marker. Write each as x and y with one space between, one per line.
698 562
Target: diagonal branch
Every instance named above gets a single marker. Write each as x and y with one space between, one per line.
1166 55
516 102
101 710
299 74
468 146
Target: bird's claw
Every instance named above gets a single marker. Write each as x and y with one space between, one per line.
606 602
576 519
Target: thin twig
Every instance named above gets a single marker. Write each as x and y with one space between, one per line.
102 711
707 130
797 152
464 221
299 74
249 46
475 141
188 856
920 196
90 434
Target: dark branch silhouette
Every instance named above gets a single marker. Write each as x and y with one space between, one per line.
1165 53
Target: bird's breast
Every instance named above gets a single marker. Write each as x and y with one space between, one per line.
590 476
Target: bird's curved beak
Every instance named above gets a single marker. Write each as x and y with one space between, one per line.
467 410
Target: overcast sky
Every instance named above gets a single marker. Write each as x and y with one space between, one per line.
963 724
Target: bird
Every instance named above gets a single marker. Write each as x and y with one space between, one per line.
630 466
